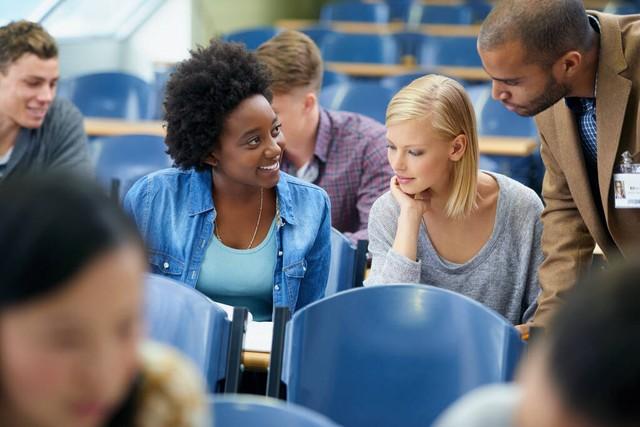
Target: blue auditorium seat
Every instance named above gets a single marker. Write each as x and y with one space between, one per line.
367 98
446 14
110 94
186 319
394 355
344 262
494 119
119 161
354 11
369 48
399 81
247 411
622 8
400 10
458 51
251 37
317 33
332 77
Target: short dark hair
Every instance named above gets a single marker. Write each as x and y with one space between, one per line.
20 37
202 92
594 348
547 29
51 226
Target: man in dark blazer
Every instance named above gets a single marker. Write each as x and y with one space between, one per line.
578 73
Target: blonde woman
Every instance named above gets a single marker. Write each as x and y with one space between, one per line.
445 223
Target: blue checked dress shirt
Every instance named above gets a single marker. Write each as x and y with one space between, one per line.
584 110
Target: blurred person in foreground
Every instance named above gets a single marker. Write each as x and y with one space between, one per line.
584 373
71 296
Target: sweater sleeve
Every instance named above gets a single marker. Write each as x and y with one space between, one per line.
388 266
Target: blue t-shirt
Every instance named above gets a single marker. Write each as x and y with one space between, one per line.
241 277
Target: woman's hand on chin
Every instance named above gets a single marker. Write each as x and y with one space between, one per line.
410 204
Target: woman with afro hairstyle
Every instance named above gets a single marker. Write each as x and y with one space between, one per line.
226 220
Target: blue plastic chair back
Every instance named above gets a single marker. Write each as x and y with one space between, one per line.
394 355
458 51
317 33
480 9
342 266
625 8
409 43
113 94
252 38
246 410
479 94
127 158
367 98
332 77
400 10
354 11
494 119
189 321
446 14
401 80
369 48
161 77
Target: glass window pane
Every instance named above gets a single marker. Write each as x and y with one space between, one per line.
14 10
81 18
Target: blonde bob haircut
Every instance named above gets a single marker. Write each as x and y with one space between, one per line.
447 106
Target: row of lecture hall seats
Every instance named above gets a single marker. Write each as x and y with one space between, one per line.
121 95
416 12
394 48
120 160
407 11
391 377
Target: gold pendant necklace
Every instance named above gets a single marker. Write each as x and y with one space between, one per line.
255 231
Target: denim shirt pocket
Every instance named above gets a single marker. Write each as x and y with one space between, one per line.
294 273
166 265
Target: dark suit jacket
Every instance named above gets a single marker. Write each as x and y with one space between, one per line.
571 221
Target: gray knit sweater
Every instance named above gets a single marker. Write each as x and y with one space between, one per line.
503 275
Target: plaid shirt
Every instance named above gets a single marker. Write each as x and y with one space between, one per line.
351 152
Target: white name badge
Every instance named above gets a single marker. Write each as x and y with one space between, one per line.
626 190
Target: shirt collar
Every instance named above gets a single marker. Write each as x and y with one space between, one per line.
580 105
200 184
325 135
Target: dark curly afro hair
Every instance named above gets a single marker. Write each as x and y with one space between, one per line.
202 92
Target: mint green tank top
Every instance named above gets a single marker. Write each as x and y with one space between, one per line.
241 277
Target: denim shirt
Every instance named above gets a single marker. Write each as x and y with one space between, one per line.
175 213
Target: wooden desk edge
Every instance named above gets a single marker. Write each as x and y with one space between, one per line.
256 360
110 127
507 146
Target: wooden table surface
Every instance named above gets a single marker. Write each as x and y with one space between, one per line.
360 69
491 145
95 126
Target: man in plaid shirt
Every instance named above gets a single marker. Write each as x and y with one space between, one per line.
344 153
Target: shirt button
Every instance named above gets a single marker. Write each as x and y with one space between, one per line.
165 265
276 287
279 253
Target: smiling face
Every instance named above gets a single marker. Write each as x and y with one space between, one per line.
420 158
27 89
523 87
251 145
69 358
